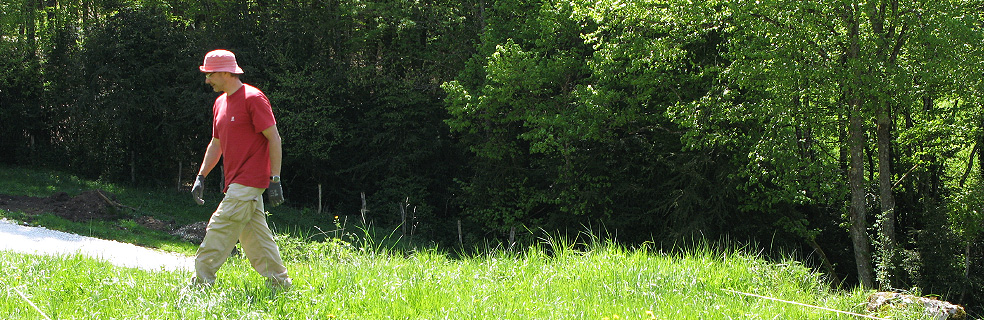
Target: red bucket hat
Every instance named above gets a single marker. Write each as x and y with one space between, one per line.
220 61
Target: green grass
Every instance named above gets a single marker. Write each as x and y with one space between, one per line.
335 279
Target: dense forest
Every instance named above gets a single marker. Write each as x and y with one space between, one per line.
850 132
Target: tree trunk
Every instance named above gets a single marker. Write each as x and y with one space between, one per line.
30 26
855 145
859 223
967 261
886 220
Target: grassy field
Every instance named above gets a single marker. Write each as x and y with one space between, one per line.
334 279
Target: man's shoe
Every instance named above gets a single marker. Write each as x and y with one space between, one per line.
279 285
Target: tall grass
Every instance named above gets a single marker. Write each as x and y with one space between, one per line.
336 280
345 275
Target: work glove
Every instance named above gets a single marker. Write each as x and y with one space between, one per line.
198 189
275 194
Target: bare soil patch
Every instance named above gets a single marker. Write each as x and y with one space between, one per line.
87 206
98 205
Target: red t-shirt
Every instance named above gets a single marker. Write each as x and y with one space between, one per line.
238 123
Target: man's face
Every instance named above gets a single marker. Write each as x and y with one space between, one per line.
216 80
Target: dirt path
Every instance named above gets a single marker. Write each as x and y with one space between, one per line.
36 240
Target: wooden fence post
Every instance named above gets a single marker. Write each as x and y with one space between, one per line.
461 242
403 217
178 181
512 238
364 210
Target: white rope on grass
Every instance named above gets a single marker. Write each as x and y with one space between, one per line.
21 294
804 305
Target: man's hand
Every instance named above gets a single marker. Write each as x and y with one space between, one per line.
198 189
275 194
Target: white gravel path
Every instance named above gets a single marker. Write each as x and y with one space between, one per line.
38 240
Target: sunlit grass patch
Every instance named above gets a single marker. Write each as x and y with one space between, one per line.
343 281
370 274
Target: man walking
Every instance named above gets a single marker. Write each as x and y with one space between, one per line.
245 137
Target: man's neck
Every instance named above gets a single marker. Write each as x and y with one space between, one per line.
233 87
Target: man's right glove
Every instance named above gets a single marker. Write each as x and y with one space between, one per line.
275 194
198 189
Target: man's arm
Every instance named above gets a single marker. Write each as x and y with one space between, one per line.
212 155
276 149
275 193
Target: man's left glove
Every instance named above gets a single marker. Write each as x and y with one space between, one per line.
275 194
198 189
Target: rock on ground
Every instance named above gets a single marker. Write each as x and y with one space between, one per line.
934 309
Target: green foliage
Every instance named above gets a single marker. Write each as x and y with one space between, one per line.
20 90
354 87
143 101
115 92
520 117
566 114
966 210
792 72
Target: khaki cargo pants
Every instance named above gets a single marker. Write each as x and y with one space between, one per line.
240 216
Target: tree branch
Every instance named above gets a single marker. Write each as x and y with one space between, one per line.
898 44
